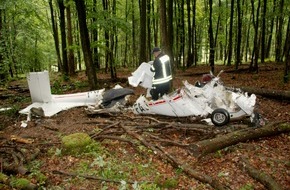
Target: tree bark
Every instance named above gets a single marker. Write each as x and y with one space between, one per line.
260 176
143 19
55 35
211 39
63 37
71 57
268 93
230 44
81 10
207 146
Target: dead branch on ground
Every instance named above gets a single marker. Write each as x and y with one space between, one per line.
207 146
267 180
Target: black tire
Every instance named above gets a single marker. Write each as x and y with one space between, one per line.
220 117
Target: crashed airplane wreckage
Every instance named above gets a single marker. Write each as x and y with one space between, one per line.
46 104
208 99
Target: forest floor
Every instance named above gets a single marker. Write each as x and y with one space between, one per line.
123 162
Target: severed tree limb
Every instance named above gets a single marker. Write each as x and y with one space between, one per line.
205 147
167 142
260 176
268 93
193 173
107 127
159 152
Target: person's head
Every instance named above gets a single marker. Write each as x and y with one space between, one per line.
156 51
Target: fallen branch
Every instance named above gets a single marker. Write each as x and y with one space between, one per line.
260 176
205 147
164 155
193 173
268 93
167 142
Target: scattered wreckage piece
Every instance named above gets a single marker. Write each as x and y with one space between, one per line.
45 104
209 99
113 101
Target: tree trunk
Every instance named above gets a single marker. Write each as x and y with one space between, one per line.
85 41
239 36
287 54
107 37
55 36
255 52
163 25
190 37
143 19
230 43
63 37
71 57
271 28
205 147
113 45
170 35
279 32
263 43
211 39
268 93
95 34
194 44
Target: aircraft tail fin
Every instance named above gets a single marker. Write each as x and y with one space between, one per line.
39 87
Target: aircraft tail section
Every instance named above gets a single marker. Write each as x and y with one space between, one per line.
39 87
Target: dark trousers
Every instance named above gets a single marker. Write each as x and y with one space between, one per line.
159 90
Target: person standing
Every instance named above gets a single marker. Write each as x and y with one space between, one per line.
162 79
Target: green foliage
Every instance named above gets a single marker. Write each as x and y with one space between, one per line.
35 173
166 183
248 186
27 40
56 87
12 112
3 178
19 183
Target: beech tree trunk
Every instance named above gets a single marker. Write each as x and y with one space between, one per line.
84 33
207 146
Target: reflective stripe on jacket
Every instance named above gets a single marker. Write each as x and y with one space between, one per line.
162 69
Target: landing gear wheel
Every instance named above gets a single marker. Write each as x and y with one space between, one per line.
220 117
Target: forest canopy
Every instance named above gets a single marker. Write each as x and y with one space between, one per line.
71 35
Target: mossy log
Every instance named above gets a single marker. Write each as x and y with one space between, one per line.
207 146
268 93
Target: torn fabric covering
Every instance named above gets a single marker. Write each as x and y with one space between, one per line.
142 76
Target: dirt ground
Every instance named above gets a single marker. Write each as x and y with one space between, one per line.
269 155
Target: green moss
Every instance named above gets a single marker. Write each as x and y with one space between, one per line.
76 143
20 183
166 183
3 178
